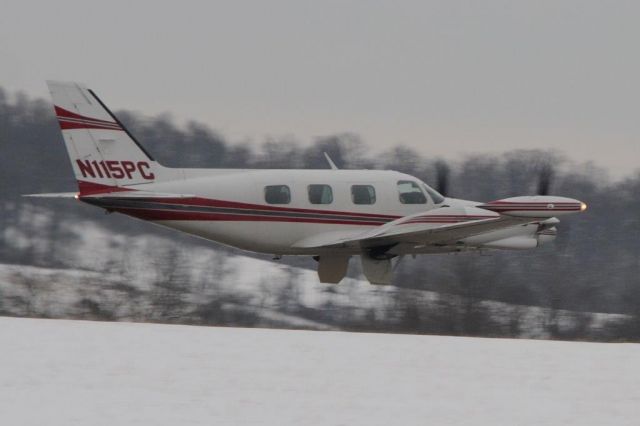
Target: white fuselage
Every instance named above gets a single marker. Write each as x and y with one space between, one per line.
237 213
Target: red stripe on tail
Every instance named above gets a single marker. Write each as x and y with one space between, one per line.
72 120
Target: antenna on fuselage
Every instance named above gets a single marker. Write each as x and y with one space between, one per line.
330 161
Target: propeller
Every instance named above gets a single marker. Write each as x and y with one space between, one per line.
442 177
545 176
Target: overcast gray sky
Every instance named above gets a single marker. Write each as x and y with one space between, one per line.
445 77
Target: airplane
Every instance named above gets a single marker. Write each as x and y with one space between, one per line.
329 214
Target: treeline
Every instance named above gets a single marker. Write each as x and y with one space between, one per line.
594 265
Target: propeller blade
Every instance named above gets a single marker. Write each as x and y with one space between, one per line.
442 177
545 177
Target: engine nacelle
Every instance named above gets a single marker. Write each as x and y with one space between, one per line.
535 206
520 242
523 242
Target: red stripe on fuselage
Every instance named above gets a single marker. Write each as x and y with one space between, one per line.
342 217
210 202
157 215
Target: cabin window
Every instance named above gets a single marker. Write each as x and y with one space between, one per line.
410 193
277 194
320 194
363 194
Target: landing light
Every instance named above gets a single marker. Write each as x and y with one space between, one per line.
583 207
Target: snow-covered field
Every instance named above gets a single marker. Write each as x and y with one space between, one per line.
59 372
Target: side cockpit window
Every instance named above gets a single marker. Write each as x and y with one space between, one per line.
363 194
277 194
320 194
409 192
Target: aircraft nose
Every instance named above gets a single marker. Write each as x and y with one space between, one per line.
583 206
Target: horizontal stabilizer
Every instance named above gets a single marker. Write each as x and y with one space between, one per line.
136 194
53 195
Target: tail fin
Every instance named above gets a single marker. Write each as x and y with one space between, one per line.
102 152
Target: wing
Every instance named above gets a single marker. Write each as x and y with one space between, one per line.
442 226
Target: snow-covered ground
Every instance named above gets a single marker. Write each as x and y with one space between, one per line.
59 372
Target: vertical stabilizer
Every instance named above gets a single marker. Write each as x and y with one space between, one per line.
103 153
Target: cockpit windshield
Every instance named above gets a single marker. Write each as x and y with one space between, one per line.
435 195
